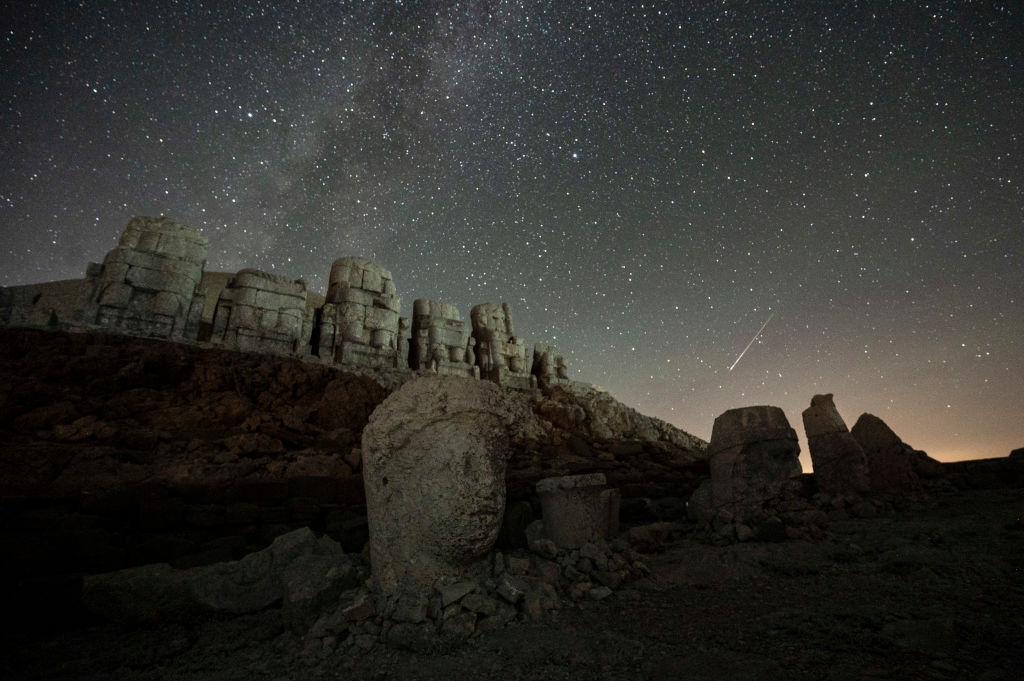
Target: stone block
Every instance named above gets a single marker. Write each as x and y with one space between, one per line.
372 281
575 509
116 295
380 318
167 304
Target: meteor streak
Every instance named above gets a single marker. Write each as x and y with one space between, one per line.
752 341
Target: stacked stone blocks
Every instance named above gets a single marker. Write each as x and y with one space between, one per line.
262 312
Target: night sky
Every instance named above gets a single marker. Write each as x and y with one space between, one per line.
646 184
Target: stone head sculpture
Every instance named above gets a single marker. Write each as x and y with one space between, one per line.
434 456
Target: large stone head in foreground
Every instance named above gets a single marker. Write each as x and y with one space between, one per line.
434 455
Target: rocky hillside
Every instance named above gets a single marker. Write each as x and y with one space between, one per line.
118 451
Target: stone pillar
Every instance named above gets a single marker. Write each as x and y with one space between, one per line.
434 457
840 466
577 509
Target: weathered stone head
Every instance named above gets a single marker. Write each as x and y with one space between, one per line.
434 456
840 466
753 454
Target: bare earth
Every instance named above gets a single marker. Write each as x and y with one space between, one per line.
931 591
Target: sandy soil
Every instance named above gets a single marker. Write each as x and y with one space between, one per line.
931 591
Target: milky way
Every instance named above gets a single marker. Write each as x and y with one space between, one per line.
643 183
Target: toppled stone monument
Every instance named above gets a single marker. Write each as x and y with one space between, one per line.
359 323
548 366
147 286
840 466
895 467
303 571
754 487
440 339
500 355
262 312
434 457
578 509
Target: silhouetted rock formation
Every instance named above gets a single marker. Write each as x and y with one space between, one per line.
840 466
895 467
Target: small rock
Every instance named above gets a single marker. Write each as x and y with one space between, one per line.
365 641
480 604
512 588
517 565
361 609
743 532
599 593
410 609
453 593
579 590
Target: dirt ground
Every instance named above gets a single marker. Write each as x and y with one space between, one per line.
932 591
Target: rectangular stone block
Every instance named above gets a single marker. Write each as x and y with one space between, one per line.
155 280
381 318
355 295
372 281
171 245
147 240
116 295
279 301
389 288
167 304
268 319
241 296
243 317
392 303
350 312
354 332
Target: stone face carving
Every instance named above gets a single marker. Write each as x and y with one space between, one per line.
147 285
434 457
840 466
262 312
578 509
753 454
359 322
441 339
548 366
501 356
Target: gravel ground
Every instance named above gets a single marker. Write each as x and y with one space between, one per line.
931 591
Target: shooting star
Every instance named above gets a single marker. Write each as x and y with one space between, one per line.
752 341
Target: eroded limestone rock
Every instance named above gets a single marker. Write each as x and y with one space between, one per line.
148 284
434 457
359 323
262 312
840 466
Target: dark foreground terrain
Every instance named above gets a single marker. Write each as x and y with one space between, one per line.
931 591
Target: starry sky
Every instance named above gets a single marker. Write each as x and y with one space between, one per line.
647 184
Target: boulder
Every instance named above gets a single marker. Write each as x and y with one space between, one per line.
434 457
578 509
895 467
840 466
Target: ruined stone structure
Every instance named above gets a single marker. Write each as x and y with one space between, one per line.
440 339
148 285
894 467
154 284
840 466
548 366
359 323
434 457
501 356
263 312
